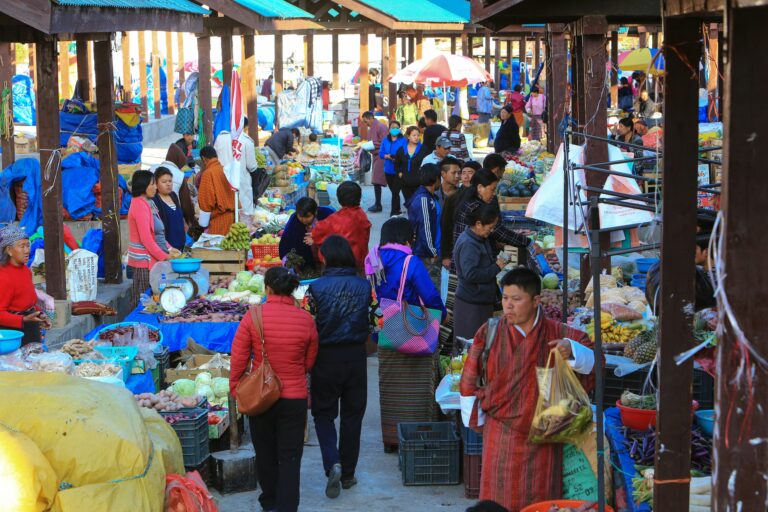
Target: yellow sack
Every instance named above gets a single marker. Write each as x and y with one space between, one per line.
93 436
165 440
27 481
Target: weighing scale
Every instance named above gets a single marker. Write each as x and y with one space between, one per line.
175 295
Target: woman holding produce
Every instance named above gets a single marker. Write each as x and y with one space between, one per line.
408 162
18 302
458 141
388 152
299 226
406 383
146 237
341 303
477 268
290 342
169 209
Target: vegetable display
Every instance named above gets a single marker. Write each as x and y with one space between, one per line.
612 331
641 446
238 238
78 348
699 499
166 401
89 369
172 419
204 310
114 332
642 349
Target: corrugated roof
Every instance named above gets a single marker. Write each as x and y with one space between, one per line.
275 8
183 6
426 11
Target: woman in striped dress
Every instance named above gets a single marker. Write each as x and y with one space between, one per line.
406 383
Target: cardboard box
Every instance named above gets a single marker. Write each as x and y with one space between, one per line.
172 374
336 96
353 104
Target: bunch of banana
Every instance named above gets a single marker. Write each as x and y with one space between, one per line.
612 331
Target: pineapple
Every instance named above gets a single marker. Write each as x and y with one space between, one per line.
645 353
632 346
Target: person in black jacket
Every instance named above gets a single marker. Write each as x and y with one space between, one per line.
508 137
408 162
341 303
432 131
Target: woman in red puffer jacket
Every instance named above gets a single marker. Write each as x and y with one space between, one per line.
291 346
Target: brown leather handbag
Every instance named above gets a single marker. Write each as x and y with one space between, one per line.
259 389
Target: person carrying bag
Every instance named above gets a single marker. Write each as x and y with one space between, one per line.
260 388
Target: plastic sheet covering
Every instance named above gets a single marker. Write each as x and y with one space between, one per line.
103 454
267 117
27 169
301 108
128 139
27 480
222 120
80 173
93 241
23 100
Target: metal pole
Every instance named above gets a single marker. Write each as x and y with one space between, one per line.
566 200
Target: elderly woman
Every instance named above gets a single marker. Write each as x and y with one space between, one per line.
18 302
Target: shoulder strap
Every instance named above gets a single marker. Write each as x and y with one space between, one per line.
563 330
258 322
490 336
403 278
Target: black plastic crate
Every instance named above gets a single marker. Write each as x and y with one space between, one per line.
473 467
703 386
193 436
473 442
429 453
163 358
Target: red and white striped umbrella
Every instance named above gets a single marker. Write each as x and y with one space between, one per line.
443 70
236 122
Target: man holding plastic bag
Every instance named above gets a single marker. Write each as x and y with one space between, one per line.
522 460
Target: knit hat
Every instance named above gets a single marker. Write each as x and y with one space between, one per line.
11 234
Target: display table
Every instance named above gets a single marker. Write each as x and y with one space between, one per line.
623 465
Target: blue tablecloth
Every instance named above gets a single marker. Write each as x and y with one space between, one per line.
141 383
623 465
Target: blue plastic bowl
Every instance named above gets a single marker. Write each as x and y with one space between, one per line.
10 340
186 265
706 421
639 277
644 264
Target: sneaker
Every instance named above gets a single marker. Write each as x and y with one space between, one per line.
333 487
395 214
375 208
348 483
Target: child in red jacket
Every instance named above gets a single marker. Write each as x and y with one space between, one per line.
351 222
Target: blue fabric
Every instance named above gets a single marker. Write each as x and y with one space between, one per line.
294 233
141 383
151 91
222 119
93 241
266 118
173 221
484 101
418 285
342 301
624 465
27 169
128 139
390 147
79 174
422 212
23 100
126 204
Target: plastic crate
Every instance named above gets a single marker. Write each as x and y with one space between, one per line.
429 453
259 251
473 442
163 358
473 466
703 386
124 356
193 436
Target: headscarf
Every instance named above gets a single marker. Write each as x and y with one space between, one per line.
374 268
176 156
9 235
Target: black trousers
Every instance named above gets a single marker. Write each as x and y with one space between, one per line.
333 383
278 439
394 183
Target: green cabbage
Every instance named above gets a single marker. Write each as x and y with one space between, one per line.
219 292
203 378
243 277
206 391
221 386
256 284
184 387
550 281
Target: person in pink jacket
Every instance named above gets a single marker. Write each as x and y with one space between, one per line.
146 234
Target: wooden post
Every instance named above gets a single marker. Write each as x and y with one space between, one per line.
64 69
143 74
204 86
227 59
453 45
32 64
392 70
170 73
557 84
720 75
383 73
643 40
180 66
740 450
673 461
714 70
536 54
125 50
7 59
419 45
496 62
509 60
249 82
487 51
364 96
411 49
48 141
309 55
110 206
83 77
465 45
335 59
614 58
278 64
156 76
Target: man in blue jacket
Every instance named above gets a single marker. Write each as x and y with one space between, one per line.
424 216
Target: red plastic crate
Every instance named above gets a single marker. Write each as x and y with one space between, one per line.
259 251
473 465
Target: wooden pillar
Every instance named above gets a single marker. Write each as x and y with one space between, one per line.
32 63
125 50
496 62
509 57
453 45
48 141
384 73
487 51
557 84
465 45
392 70
180 65
643 40
170 73
204 87
156 76
7 59
536 54
278 64
419 45
614 58
335 59
83 75
249 89
110 206
227 59
712 76
411 49
673 461
64 69
309 55
364 96
143 73
721 74
742 398
91 75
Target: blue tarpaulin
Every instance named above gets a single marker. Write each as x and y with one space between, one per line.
93 241
222 119
79 174
27 169
151 92
141 383
623 464
266 118
23 100
128 140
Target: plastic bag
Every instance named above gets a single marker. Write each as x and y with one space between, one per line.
188 494
620 312
563 412
147 354
52 362
14 362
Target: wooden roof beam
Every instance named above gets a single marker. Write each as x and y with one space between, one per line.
33 13
97 19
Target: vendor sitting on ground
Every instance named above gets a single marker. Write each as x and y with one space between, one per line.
18 302
215 197
296 235
517 472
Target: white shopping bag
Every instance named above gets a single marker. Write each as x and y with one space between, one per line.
467 406
612 216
